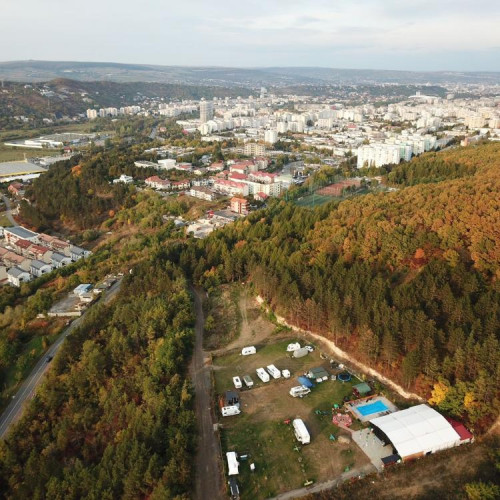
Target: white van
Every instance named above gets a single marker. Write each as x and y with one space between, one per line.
262 374
299 391
248 380
273 371
228 411
248 350
301 432
237 382
292 347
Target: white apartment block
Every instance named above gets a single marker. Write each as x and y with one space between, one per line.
377 155
271 136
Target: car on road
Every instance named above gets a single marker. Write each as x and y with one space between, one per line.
48 359
310 348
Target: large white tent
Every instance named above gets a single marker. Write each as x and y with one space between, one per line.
232 463
417 431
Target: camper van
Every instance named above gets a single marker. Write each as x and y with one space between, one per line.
293 347
299 391
301 432
273 371
229 411
262 374
237 382
248 381
246 351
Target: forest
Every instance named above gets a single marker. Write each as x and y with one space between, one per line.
408 280
113 418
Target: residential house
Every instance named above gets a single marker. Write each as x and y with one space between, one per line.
156 183
59 260
239 205
16 276
231 187
78 253
202 193
180 185
39 268
125 179
12 234
16 189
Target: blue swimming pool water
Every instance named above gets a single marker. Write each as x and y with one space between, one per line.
375 407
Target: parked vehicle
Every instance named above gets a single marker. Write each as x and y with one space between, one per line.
310 348
301 432
273 371
228 411
237 382
292 347
262 374
248 381
299 391
233 488
285 373
246 351
300 353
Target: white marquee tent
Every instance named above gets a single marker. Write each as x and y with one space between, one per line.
232 463
417 431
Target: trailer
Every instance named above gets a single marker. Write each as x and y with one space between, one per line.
273 371
299 391
248 381
229 411
246 351
262 374
301 432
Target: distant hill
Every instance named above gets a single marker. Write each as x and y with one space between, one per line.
36 71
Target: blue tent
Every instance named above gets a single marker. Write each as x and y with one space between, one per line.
306 382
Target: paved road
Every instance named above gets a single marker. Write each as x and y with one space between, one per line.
8 212
327 485
208 459
27 390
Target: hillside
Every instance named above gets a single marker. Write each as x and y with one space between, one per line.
36 71
407 281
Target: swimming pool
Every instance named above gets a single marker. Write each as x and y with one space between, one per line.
376 407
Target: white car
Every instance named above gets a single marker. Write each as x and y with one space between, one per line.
237 382
310 348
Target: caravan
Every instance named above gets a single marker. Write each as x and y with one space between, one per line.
248 381
299 391
301 432
262 374
273 371
229 411
246 351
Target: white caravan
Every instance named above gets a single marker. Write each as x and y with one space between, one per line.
301 432
262 374
299 391
229 411
273 371
246 351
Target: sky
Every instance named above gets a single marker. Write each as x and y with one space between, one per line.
459 35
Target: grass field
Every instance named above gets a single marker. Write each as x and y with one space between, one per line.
313 200
281 462
4 221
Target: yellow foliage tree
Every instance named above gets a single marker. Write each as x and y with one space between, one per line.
438 393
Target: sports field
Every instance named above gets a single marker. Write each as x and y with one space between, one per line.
313 200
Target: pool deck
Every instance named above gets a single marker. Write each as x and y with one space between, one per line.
352 407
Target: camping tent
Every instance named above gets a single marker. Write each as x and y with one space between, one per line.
362 389
306 382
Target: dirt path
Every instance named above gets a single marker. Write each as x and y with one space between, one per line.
208 459
339 353
327 485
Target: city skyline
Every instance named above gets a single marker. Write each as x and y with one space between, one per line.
423 36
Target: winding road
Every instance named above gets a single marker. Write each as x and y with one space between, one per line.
27 390
208 459
8 211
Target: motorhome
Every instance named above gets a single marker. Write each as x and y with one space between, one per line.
299 391
301 432
262 374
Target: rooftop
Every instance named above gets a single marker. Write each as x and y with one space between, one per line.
10 168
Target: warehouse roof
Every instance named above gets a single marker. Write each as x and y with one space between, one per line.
417 430
10 168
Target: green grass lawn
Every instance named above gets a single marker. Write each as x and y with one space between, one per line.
313 200
279 462
4 221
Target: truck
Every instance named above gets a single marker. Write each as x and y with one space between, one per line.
273 371
262 374
248 381
299 391
301 432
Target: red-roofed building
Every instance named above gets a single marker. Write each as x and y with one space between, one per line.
237 176
261 196
179 185
16 188
239 205
156 183
461 430
231 187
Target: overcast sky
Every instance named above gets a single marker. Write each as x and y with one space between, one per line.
380 34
